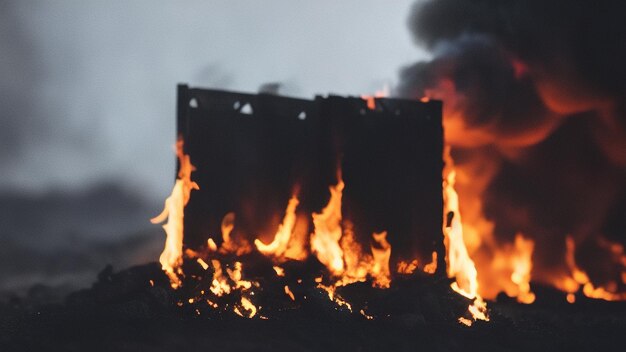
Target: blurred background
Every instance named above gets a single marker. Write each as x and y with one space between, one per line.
87 108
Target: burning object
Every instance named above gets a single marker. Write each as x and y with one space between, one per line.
345 167
302 206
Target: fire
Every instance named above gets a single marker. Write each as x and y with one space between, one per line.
173 211
232 280
289 293
380 269
219 285
284 244
325 239
335 246
431 267
249 309
407 268
522 266
371 99
580 279
229 245
460 265
511 268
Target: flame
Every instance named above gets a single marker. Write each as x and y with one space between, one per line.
371 99
224 284
325 239
460 266
357 264
279 271
335 247
511 268
407 268
380 270
330 290
173 212
202 263
431 267
279 247
219 285
367 316
522 266
579 279
249 309
229 245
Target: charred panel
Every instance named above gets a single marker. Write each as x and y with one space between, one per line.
252 152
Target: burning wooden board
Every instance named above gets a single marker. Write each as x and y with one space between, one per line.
253 153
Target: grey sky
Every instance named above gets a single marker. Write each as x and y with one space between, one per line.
88 87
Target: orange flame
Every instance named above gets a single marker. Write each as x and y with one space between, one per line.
371 99
325 239
279 247
380 270
233 281
173 212
407 268
229 245
431 267
580 278
511 267
337 249
522 266
249 309
289 293
460 265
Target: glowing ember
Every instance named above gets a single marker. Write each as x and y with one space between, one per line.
279 271
289 293
202 263
219 285
330 290
248 309
171 258
407 268
367 316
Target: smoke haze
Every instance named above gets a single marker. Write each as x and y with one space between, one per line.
534 111
88 93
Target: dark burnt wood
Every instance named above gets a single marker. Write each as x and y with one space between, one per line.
250 164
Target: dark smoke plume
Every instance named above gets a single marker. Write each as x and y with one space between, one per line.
537 90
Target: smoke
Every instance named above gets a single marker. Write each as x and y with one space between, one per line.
88 94
535 113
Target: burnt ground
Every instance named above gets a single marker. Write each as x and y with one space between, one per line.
124 312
